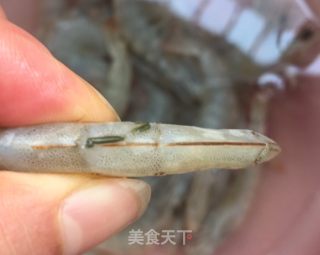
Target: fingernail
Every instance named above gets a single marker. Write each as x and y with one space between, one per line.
142 190
102 98
91 215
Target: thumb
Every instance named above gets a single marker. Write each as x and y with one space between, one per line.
55 214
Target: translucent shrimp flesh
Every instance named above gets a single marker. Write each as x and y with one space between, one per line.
130 149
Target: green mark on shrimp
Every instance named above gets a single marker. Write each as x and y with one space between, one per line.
91 141
142 128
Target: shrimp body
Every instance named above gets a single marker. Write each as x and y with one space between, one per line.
130 149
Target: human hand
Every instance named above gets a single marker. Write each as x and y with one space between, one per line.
55 213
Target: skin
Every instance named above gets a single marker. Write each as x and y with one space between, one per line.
36 216
284 216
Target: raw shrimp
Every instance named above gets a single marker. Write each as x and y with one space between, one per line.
130 149
95 51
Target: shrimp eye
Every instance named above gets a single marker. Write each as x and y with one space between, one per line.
305 34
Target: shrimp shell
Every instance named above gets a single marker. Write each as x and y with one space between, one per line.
130 149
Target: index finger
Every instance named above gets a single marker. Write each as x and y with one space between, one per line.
37 88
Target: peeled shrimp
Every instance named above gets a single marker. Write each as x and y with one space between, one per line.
130 149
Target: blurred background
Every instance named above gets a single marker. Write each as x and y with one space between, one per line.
211 63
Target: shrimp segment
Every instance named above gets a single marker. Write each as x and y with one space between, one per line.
130 149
